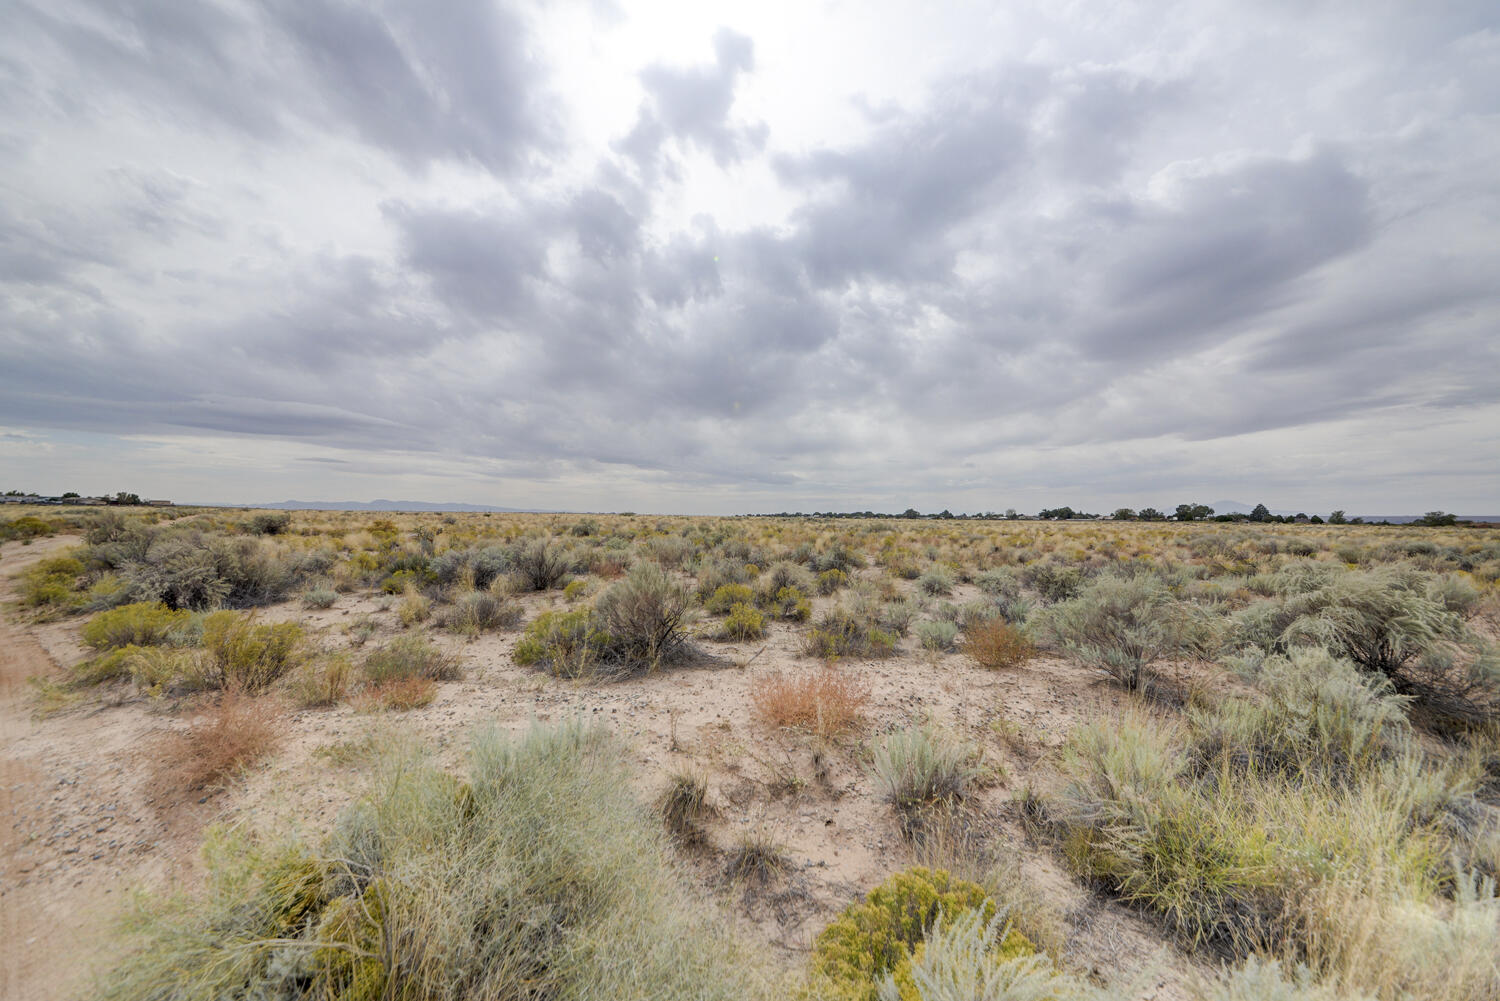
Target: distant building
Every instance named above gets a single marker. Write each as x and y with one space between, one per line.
157 503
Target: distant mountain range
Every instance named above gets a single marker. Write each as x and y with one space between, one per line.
386 505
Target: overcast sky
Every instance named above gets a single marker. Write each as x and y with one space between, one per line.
748 257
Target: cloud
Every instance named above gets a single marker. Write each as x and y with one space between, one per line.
692 106
422 83
383 238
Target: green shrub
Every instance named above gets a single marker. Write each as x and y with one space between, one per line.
939 636
475 612
53 584
791 605
1317 713
830 581
1052 581
1390 620
922 765
247 656
971 959
404 580
1130 825
540 565
1000 583
718 573
936 581
643 615
838 556
27 526
319 597
539 877
840 633
1122 625
566 644
727 596
109 590
781 576
896 617
268 523
871 939
183 568
410 657
146 623
744 623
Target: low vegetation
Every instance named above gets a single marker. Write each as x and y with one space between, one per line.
1315 809
533 877
825 702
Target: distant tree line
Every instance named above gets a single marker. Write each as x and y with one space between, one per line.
1183 512
121 498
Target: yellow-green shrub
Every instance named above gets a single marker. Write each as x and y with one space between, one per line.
145 623
52 583
727 596
744 623
566 643
875 937
249 656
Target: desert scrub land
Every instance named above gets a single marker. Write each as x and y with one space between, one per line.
335 755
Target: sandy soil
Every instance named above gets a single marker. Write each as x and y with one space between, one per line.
83 822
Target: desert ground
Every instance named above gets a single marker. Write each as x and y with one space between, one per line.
130 740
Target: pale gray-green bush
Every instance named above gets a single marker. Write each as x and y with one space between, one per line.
924 764
539 877
1123 625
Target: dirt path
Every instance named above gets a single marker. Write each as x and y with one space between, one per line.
77 823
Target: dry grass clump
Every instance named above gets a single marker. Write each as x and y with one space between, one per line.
410 657
995 644
757 859
539 877
825 702
396 694
238 731
475 612
321 682
684 806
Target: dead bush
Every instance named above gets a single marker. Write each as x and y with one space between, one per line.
995 644
236 732
826 702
